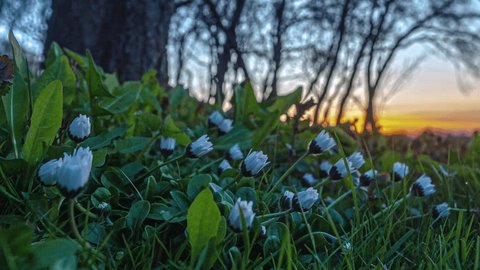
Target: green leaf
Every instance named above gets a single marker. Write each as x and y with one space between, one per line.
268 126
104 139
122 101
94 80
203 220
50 252
150 188
180 199
137 214
16 101
99 157
161 211
80 59
58 70
131 144
247 194
12 166
283 103
18 239
54 52
239 134
100 195
197 184
46 120
169 129
245 104
19 58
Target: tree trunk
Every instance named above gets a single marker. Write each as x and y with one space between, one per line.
370 119
128 37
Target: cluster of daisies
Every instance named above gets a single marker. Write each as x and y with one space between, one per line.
71 172
344 167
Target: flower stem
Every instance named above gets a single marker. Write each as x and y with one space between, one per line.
464 210
338 200
274 215
287 173
76 233
235 180
73 225
324 234
208 165
158 167
85 211
322 183
383 211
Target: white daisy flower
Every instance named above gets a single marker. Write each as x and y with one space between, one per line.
167 145
234 153
367 177
305 199
339 169
79 128
357 160
254 163
309 179
200 147
400 171
321 143
441 210
74 173
325 167
224 165
422 187
225 126
215 119
286 200
244 208
48 172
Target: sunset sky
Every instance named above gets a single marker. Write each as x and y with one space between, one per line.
432 99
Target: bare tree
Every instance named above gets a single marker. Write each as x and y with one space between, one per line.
445 26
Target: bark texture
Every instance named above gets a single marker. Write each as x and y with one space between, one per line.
127 37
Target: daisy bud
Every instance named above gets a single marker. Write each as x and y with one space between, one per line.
254 163
306 199
309 180
223 166
325 167
286 200
215 119
167 145
225 126
75 170
48 172
321 143
234 153
356 159
400 171
441 210
339 170
264 230
79 128
200 147
241 208
367 178
422 187
103 209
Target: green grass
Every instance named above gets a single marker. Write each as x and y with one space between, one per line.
151 199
